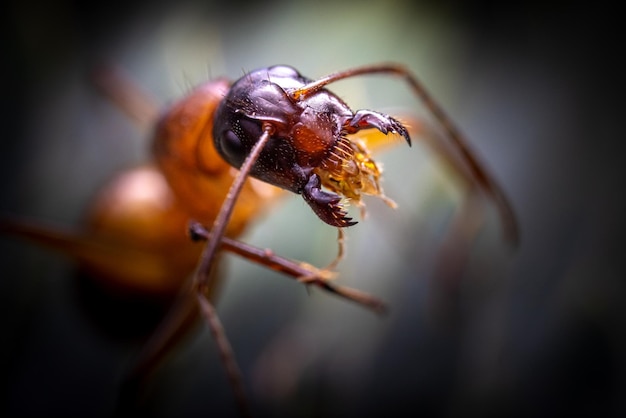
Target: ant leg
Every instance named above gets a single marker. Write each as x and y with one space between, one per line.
455 247
226 352
221 221
202 280
180 319
341 250
118 86
478 171
341 243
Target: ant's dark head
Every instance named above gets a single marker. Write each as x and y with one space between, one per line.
304 129
308 149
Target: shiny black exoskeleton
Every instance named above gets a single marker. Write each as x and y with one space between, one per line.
306 124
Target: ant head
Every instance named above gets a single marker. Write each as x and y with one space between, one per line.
304 129
308 148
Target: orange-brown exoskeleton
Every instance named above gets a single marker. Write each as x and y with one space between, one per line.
272 124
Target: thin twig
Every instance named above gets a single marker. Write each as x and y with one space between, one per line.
294 269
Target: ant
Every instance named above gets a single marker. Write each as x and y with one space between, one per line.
274 125
289 131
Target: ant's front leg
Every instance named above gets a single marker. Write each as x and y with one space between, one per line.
366 119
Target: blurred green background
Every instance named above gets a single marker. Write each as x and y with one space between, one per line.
537 331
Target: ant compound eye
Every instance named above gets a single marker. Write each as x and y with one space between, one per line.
233 148
235 143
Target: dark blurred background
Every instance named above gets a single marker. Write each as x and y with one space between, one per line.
534 331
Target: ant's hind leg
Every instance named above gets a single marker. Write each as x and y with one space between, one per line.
122 90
